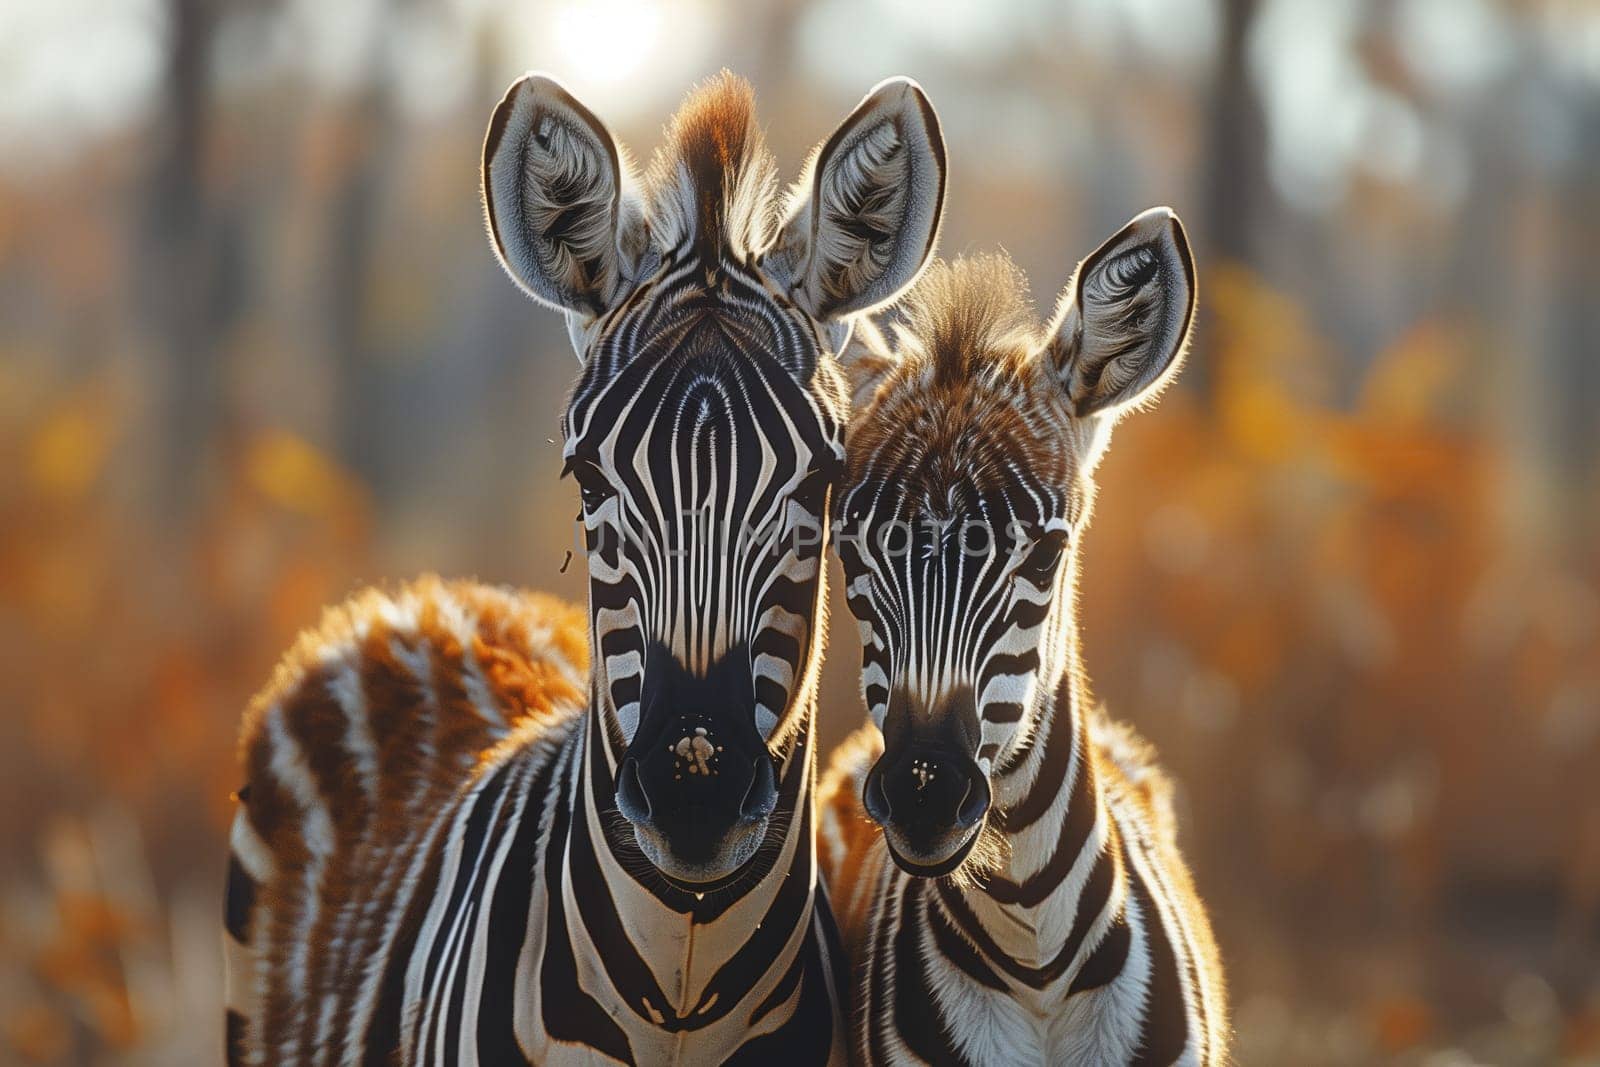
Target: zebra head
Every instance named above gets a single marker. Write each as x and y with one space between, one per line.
968 482
705 431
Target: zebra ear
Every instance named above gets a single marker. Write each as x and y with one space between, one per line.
867 361
553 193
1125 318
866 216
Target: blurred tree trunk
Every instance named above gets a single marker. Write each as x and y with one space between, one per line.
1576 329
1541 376
365 129
1235 172
352 235
174 256
1503 295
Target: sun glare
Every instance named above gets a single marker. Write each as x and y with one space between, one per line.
609 41
624 58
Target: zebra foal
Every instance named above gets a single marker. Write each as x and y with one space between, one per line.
1002 856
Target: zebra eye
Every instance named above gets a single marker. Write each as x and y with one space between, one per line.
1038 566
593 486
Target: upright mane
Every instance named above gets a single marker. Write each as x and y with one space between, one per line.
713 182
959 406
966 314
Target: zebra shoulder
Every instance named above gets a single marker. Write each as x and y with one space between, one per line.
392 698
368 727
1140 796
845 835
1131 773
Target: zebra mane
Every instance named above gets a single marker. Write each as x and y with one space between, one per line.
964 316
1138 772
713 183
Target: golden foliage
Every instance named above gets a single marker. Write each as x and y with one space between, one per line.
289 472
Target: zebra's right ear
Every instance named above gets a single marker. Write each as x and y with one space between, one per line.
866 216
553 192
1122 325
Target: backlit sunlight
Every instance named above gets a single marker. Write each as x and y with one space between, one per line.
623 56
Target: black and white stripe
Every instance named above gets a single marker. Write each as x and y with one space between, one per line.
539 934
953 593
1080 949
705 454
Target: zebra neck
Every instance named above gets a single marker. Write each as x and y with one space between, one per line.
1030 782
652 952
1062 857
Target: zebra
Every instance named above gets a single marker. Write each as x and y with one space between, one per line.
1021 898
476 829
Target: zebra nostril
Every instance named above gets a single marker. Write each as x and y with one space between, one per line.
631 798
762 796
974 803
875 798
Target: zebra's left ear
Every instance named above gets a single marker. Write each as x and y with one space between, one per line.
865 218
1125 318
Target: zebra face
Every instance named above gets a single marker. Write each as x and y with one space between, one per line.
705 432
705 472
968 481
954 587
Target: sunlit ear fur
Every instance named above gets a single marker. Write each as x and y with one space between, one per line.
1123 322
867 361
557 192
864 218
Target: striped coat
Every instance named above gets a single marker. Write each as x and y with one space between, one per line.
1003 857
419 869
1103 922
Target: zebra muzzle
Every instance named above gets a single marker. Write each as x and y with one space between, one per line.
931 803
696 781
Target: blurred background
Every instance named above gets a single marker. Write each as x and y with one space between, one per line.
255 352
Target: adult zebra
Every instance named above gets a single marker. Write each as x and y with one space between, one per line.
1036 909
447 850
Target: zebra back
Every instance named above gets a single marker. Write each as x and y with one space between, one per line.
367 730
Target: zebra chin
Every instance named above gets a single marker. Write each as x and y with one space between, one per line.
699 842
924 862
701 870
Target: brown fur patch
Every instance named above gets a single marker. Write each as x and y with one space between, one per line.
970 314
371 724
847 838
970 397
732 177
